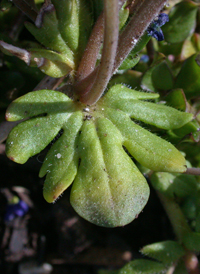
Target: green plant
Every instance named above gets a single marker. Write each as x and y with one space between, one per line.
100 120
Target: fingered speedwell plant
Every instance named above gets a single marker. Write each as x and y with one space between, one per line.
96 121
108 189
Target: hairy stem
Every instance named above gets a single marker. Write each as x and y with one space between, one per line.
91 52
111 29
139 22
92 49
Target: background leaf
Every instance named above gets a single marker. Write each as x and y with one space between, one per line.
166 252
182 21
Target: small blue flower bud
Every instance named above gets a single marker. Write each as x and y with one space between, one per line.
154 29
162 19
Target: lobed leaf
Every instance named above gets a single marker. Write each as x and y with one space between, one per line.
108 190
31 137
119 92
147 148
37 103
158 115
61 162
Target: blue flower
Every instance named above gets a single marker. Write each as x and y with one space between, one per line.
154 29
16 209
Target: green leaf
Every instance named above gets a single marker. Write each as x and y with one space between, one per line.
191 127
188 50
154 114
191 241
168 48
166 252
133 57
74 23
130 62
108 189
123 16
141 44
120 92
189 206
147 81
147 148
30 137
180 268
174 185
197 228
142 266
131 78
51 63
48 33
188 77
104 193
37 103
162 78
176 99
182 21
35 134
61 162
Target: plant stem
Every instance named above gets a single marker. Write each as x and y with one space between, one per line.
92 49
139 22
193 171
180 227
91 52
176 216
49 83
144 13
111 29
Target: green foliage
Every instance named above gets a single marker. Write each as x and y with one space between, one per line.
182 21
191 241
174 185
103 150
141 266
188 77
63 28
166 252
97 137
